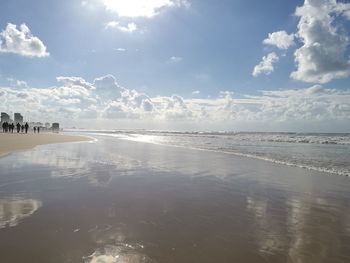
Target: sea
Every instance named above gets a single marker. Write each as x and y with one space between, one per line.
324 152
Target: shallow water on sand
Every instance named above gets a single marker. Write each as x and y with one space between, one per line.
122 201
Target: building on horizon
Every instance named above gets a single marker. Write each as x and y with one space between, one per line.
55 126
18 118
5 117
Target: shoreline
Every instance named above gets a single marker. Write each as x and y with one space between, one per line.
13 142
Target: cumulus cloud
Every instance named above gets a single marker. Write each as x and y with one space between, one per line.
280 39
75 81
175 59
173 107
266 66
130 27
344 9
107 88
75 99
139 8
321 58
20 41
324 40
18 83
314 103
22 95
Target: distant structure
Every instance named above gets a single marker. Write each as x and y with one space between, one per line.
55 126
18 118
5 117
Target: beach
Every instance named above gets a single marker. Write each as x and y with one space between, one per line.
114 200
10 142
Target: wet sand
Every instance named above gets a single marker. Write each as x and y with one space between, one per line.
121 201
10 142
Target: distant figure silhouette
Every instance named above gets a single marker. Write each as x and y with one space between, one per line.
38 129
34 129
4 127
26 126
12 127
22 128
18 127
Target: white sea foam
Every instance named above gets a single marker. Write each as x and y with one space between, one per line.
329 153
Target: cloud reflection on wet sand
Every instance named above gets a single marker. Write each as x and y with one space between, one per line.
15 210
121 201
114 247
118 254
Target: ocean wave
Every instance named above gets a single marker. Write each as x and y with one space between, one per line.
279 137
269 147
314 138
330 170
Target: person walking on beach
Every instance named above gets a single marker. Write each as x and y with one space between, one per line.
18 127
26 126
4 127
38 129
22 128
34 129
12 127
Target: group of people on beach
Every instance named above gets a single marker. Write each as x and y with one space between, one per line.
9 127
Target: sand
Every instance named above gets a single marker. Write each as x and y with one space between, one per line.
121 201
10 142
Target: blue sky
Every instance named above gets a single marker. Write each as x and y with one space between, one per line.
193 50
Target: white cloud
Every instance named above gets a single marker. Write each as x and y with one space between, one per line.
175 59
120 49
76 100
344 9
196 92
17 83
22 95
130 27
141 8
280 39
21 41
266 66
321 58
75 81
131 104
21 84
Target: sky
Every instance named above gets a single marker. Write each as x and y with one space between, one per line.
238 65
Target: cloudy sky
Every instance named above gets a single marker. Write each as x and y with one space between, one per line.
178 64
